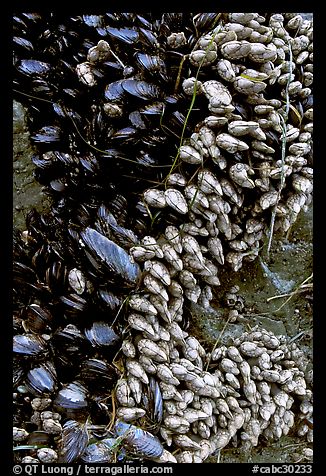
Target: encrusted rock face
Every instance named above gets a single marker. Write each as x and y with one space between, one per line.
241 170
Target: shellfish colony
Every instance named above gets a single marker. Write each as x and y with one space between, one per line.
170 146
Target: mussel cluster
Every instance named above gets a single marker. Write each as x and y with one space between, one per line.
170 146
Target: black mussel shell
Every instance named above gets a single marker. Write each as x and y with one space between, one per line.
156 400
142 89
56 276
97 453
74 441
97 373
47 135
136 120
111 300
100 334
113 257
139 441
74 303
30 67
150 63
126 135
94 21
128 36
70 340
23 44
18 373
72 396
147 37
114 91
206 21
28 345
38 318
42 380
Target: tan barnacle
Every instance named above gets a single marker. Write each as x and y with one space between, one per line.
241 31
205 297
130 414
270 375
234 259
136 369
112 110
162 307
165 457
123 393
196 196
268 199
185 457
251 349
201 428
225 70
222 407
40 404
19 434
215 121
247 86
152 350
184 441
202 57
301 184
172 256
280 397
77 280
235 49
230 144
172 234
170 407
155 198
187 279
165 374
47 455
141 304
190 155
158 270
228 365
177 424
245 371
192 263
85 74
190 245
175 289
192 85
175 307
99 53
208 182
140 253
218 95
239 174
232 380
193 348
206 136
30 460
155 286
263 109
128 348
135 386
176 40
147 364
192 415
264 361
230 191
150 243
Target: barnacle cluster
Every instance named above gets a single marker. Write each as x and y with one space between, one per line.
171 146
